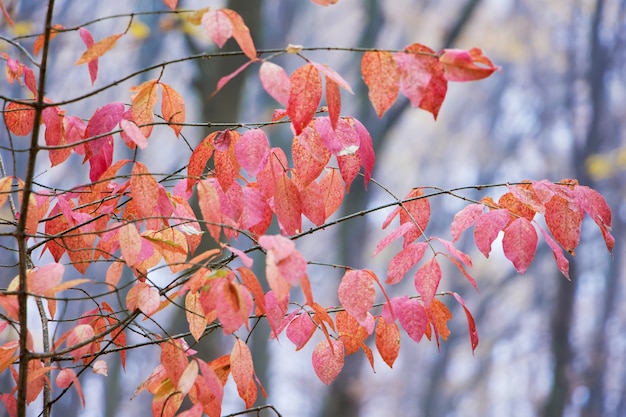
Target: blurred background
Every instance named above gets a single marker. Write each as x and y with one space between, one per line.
548 347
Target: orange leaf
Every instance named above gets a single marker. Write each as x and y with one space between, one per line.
144 190
39 41
439 315
98 49
172 107
142 108
387 341
241 33
242 370
381 75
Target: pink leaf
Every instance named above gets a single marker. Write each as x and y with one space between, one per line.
412 315
328 360
404 260
252 151
597 208
366 150
85 35
304 96
133 133
356 293
333 75
275 311
275 81
343 140
487 228
395 234
218 26
561 260
300 330
464 219
67 377
427 280
520 243
226 78
452 250
43 279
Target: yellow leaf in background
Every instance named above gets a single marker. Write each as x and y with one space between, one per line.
621 158
195 18
599 166
139 30
23 28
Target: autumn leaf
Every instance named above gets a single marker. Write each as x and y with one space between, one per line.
92 65
470 322
561 261
310 155
288 205
241 33
564 222
19 118
300 330
464 219
520 243
439 315
304 96
144 190
67 377
242 370
172 107
381 75
427 280
356 293
144 98
98 49
38 45
199 158
81 334
275 81
387 341
328 359
412 316
472 65
252 151
487 228
403 261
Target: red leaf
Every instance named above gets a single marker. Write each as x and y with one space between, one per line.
275 312
470 322
520 243
284 264
252 283
233 304
381 75
300 330
561 260
452 250
275 81
403 261
288 205
242 370
252 151
92 65
349 166
564 222
328 360
340 141
387 341
99 152
464 219
55 136
460 65
412 315
241 33
174 360
356 293
304 96
487 228
19 118
172 107
332 75
422 78
427 280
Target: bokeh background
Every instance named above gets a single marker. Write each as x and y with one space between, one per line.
557 109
